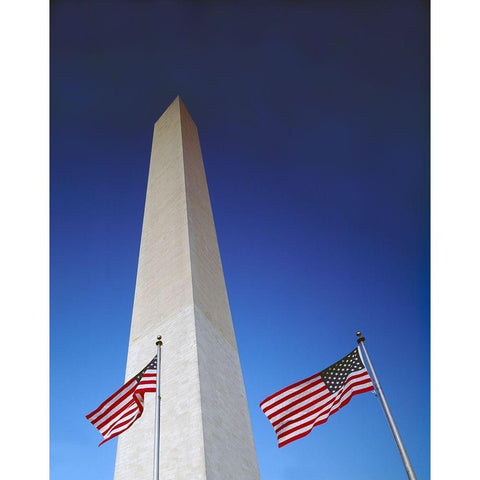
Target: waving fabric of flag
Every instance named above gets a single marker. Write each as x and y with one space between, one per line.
295 410
119 411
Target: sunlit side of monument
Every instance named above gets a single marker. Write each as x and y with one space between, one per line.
205 430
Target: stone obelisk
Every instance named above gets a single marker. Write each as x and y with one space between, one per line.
205 430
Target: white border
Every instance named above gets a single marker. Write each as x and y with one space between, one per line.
24 44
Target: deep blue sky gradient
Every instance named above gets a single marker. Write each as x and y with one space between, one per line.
314 124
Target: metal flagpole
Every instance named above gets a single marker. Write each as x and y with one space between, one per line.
388 414
157 414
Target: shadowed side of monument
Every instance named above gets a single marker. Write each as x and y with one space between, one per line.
205 430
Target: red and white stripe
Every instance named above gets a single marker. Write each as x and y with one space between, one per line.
119 411
295 410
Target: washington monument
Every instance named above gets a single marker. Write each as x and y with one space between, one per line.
205 430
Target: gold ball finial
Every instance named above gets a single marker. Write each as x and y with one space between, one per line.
360 337
159 340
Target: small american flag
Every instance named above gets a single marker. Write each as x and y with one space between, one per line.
119 411
295 410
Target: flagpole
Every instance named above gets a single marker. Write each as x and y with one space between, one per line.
386 409
157 413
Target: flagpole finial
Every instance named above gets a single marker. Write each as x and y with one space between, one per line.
360 337
159 340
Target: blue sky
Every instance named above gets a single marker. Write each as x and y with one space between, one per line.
314 125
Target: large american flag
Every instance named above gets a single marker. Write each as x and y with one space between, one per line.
295 410
119 411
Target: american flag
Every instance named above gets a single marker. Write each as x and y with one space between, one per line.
119 411
295 410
